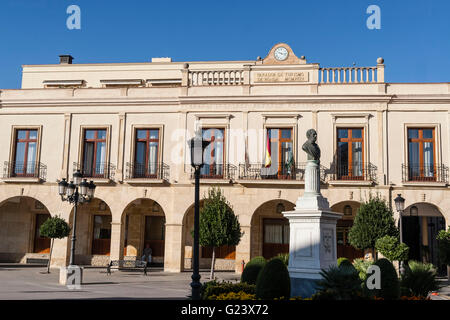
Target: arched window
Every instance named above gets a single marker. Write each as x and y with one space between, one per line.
348 210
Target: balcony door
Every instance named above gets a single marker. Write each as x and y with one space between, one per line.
280 153
350 154
421 154
147 152
25 153
214 155
94 153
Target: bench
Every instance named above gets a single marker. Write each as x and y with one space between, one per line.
127 264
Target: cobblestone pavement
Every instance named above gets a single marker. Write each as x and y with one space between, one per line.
17 282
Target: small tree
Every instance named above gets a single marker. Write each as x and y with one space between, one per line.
219 225
373 220
391 248
54 228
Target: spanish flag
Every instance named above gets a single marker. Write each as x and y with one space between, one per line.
268 160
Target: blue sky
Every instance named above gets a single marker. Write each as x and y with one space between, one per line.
414 38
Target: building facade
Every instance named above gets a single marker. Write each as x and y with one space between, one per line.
126 127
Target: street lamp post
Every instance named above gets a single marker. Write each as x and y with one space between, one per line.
77 191
197 146
400 206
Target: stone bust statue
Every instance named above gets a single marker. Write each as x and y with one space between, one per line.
311 147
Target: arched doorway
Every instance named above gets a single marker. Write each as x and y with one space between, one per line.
225 255
421 223
93 233
20 220
144 224
270 229
343 226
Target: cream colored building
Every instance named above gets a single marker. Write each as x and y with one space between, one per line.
126 126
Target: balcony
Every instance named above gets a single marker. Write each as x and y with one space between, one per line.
151 173
291 174
433 173
363 173
100 172
31 171
217 172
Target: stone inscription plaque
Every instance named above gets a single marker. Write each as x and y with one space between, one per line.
291 76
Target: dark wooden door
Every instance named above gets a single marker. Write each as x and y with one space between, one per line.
276 237
41 244
344 249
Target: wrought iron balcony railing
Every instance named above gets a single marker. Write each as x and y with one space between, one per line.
425 173
159 171
29 169
257 171
217 171
99 170
363 171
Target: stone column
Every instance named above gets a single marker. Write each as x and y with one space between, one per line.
66 148
121 147
246 84
312 198
243 249
173 261
185 79
116 252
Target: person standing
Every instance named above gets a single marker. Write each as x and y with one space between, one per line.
147 254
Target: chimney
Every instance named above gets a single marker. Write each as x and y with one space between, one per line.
65 59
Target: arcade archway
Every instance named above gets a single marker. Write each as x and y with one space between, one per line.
144 225
270 229
20 220
93 233
421 223
225 255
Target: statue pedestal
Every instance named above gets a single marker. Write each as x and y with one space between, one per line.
312 244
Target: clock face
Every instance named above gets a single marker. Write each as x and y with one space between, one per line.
281 53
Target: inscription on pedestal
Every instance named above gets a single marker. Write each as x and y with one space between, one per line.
327 243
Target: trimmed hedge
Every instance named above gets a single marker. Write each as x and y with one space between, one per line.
283 257
252 270
343 261
273 281
214 288
390 284
361 266
241 295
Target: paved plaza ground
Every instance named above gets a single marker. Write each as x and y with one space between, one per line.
18 282
29 283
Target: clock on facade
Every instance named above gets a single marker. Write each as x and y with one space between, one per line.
281 53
